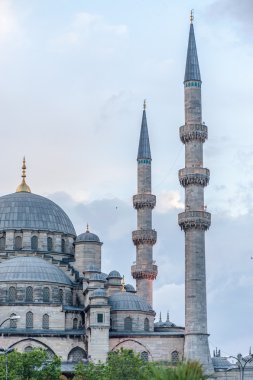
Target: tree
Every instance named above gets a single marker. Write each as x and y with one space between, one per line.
184 371
125 364
91 371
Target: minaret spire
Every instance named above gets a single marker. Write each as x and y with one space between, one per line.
195 220
144 271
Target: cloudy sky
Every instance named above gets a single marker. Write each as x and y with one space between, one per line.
73 76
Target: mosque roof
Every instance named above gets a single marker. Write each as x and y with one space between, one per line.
25 210
98 293
32 269
114 274
192 71
130 288
128 301
87 237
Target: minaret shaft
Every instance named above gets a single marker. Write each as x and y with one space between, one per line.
144 271
195 220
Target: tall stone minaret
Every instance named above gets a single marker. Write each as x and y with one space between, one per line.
195 220
144 270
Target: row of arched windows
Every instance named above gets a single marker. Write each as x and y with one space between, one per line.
12 296
128 324
29 321
34 244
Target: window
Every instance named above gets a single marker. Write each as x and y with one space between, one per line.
29 294
2 243
128 325
45 321
75 323
18 243
174 357
28 349
62 245
12 294
61 295
49 244
46 294
77 354
34 243
100 318
29 320
13 322
144 356
146 324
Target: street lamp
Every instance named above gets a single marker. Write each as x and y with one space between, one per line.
13 317
242 363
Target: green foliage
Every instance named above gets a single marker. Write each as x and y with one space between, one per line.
33 365
126 365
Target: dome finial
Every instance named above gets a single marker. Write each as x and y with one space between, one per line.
192 16
123 289
87 228
23 187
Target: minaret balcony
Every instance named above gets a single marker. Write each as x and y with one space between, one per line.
148 271
191 132
194 220
144 201
144 237
194 176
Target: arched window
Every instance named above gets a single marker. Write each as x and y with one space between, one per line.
29 294
28 349
2 243
13 322
45 321
69 298
12 294
49 244
128 324
77 354
29 320
46 294
174 357
146 324
144 356
62 245
75 323
61 295
34 243
18 243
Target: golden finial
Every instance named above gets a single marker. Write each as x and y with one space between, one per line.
23 187
123 289
144 104
192 16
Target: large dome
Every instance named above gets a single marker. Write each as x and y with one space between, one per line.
25 210
31 269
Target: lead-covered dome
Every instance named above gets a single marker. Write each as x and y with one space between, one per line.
24 210
87 237
32 269
128 301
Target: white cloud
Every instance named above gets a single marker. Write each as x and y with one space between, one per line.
170 298
168 200
8 20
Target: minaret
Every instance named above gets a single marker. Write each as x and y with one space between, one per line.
195 220
144 270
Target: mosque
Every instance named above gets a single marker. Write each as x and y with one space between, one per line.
51 279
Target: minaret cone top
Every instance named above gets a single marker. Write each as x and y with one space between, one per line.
192 71
144 146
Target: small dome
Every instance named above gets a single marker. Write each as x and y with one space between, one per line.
128 301
129 288
98 277
32 269
114 274
87 237
98 293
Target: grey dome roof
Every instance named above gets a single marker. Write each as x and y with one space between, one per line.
87 237
98 277
98 293
128 301
129 288
114 274
31 269
33 212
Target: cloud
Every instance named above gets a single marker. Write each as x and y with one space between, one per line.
8 20
168 200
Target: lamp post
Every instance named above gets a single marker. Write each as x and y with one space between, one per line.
8 350
242 363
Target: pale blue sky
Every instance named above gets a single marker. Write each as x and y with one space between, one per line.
73 76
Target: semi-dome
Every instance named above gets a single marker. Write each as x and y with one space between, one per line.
24 210
87 237
114 274
32 269
129 288
128 301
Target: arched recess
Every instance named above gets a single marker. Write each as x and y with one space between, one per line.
134 345
29 343
77 354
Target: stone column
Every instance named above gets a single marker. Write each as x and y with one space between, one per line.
57 243
27 236
42 241
9 243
